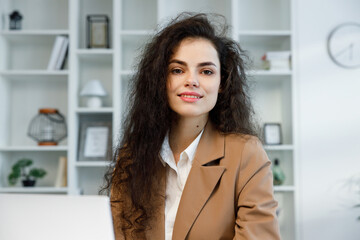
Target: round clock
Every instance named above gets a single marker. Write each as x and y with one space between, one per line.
343 45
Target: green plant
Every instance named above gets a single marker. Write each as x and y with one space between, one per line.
21 170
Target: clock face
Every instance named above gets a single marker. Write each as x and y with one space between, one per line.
344 45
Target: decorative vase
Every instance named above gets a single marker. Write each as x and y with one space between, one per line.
279 176
28 183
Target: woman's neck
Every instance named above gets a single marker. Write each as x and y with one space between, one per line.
183 132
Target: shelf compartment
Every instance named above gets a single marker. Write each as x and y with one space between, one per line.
286 163
131 46
48 160
89 7
257 45
131 20
286 214
51 14
96 68
28 52
272 101
264 14
21 101
32 190
91 179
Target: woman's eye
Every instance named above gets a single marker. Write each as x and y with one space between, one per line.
207 72
176 71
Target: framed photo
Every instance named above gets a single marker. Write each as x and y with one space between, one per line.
272 134
97 31
95 141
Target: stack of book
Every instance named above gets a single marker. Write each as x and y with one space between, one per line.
279 60
59 53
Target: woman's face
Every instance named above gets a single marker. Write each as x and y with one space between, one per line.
193 78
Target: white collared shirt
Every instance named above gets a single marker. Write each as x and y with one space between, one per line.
176 176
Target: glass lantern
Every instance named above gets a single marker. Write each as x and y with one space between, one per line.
48 127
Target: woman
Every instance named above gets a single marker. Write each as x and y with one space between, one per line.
189 165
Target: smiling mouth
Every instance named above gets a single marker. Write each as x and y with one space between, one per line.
190 96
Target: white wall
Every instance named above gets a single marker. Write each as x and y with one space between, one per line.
329 124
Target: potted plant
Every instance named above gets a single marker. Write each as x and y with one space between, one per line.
21 170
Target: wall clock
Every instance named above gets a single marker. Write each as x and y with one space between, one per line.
343 45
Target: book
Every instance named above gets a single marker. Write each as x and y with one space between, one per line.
58 53
277 60
277 55
279 64
62 54
61 176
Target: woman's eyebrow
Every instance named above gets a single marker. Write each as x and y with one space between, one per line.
199 65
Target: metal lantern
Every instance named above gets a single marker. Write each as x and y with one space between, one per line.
48 127
15 20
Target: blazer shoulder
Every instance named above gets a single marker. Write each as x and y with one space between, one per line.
239 141
247 149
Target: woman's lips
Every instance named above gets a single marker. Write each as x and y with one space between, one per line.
190 97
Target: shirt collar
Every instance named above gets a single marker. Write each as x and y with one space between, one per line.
166 154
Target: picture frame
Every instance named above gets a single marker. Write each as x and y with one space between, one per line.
97 31
95 141
272 134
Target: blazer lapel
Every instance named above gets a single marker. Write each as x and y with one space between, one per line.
157 230
201 181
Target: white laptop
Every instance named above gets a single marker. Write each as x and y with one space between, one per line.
55 217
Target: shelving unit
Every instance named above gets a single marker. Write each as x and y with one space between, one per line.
26 85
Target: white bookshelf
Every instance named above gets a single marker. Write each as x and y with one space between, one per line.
26 85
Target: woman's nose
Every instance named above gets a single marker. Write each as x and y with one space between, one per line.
192 80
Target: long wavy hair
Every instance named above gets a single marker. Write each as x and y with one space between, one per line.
149 117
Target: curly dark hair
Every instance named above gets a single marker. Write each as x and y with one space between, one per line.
149 117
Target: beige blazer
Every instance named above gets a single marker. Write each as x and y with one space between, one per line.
228 193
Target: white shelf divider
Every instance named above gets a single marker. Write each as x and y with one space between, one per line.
94 51
270 73
34 149
287 147
84 110
92 163
50 32
137 32
24 73
33 190
284 188
127 72
265 33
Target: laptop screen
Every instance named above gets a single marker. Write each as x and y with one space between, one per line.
44 217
